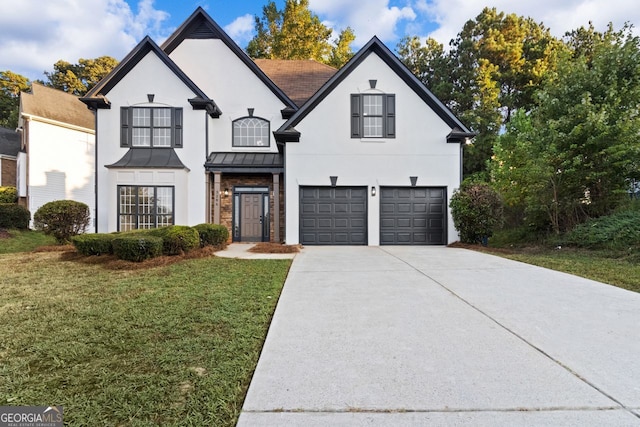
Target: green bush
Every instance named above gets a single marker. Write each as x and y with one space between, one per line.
176 239
62 219
212 234
477 210
136 247
94 244
8 194
620 230
14 216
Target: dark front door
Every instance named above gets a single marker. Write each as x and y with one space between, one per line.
251 220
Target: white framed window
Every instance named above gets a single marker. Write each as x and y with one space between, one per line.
373 116
250 132
144 207
151 127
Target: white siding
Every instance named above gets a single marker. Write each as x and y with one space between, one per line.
327 149
61 164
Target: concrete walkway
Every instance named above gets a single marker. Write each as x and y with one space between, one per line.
241 250
404 336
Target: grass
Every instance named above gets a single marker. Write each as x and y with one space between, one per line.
12 241
169 345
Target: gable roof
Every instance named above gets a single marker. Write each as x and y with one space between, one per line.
200 26
54 104
287 133
9 142
299 79
96 97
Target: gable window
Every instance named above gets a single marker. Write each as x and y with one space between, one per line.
151 127
250 132
144 207
373 116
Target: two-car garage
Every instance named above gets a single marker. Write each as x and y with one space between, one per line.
338 215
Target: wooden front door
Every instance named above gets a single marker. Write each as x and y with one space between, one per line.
251 229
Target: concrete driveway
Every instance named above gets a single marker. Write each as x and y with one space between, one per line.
403 336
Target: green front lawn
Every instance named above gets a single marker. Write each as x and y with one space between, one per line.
169 345
12 241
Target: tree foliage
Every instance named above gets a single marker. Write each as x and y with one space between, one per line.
572 155
11 84
79 78
297 33
493 68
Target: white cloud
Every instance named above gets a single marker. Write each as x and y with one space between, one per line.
375 17
35 34
241 29
559 16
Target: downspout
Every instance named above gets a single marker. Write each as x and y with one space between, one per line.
207 174
95 170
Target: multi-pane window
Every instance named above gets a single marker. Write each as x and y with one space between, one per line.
373 116
151 127
250 132
144 207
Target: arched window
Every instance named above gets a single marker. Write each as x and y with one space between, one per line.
250 132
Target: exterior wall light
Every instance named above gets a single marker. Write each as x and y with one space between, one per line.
226 192
373 191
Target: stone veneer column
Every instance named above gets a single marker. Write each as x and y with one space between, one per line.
216 197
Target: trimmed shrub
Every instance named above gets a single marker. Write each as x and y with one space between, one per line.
212 234
8 194
94 244
62 219
14 216
477 210
136 247
176 239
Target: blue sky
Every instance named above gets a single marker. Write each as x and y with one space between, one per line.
34 34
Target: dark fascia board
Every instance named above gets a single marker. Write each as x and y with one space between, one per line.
96 97
374 46
196 19
287 135
457 135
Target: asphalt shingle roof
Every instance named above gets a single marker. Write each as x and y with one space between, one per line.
298 79
9 142
56 105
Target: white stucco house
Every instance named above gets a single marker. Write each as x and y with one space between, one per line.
195 131
57 157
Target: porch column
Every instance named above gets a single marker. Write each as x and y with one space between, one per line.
276 207
216 197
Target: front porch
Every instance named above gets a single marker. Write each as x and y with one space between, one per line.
247 196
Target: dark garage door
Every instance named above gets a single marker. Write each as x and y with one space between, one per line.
413 216
333 215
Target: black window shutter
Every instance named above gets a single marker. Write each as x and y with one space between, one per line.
125 127
390 116
356 116
177 127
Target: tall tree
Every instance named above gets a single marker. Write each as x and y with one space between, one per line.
494 65
582 139
79 78
297 33
11 84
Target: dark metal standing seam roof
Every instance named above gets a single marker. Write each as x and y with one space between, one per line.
245 162
156 158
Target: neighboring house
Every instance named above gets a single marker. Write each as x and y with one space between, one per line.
9 149
195 131
57 161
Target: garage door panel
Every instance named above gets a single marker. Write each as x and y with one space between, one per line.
412 216
333 215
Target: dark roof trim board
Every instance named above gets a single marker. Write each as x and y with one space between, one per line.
373 46
96 97
200 26
149 158
457 135
245 163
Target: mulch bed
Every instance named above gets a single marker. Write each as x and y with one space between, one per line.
4 234
274 248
